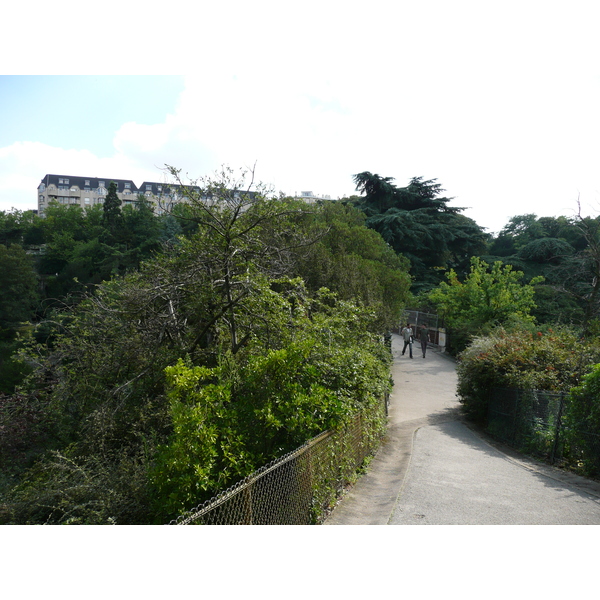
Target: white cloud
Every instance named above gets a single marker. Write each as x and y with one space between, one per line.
24 164
496 101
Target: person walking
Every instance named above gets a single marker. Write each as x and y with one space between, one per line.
407 335
424 337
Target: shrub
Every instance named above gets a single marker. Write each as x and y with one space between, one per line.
489 296
232 419
582 422
553 361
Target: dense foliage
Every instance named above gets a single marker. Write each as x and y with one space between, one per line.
313 380
489 296
175 378
566 253
582 421
418 223
147 361
525 358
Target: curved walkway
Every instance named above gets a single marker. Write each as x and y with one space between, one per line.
434 470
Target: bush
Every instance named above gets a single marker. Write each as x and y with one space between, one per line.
234 418
582 422
490 296
552 361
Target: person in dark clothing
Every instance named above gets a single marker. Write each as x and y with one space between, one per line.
424 337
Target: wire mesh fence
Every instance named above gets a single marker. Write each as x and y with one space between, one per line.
539 423
418 320
298 488
527 419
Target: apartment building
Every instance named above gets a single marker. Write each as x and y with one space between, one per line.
89 191
311 198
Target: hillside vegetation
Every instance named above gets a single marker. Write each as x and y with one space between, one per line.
142 390
150 360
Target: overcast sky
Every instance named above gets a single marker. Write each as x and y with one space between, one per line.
498 101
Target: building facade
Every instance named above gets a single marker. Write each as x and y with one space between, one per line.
311 198
89 191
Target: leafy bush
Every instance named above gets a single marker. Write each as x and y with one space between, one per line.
70 489
582 422
231 419
489 296
524 359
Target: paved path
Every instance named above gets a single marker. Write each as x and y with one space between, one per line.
432 469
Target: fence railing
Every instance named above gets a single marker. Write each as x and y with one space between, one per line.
419 319
298 488
538 422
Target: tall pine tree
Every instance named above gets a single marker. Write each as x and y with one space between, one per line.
417 222
112 208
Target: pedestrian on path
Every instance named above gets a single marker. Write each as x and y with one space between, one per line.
424 336
407 335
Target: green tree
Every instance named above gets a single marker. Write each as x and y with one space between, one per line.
418 223
356 263
18 286
112 208
582 271
239 244
21 227
488 296
310 383
582 420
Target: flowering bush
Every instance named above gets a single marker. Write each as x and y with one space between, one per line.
554 360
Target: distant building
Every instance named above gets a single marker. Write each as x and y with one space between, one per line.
88 191
310 197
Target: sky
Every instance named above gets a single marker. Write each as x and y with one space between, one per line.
497 101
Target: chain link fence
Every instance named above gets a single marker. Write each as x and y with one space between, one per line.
300 487
538 422
419 319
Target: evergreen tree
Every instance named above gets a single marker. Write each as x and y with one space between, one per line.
112 207
418 223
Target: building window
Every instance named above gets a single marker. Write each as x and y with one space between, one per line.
87 200
87 182
127 186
